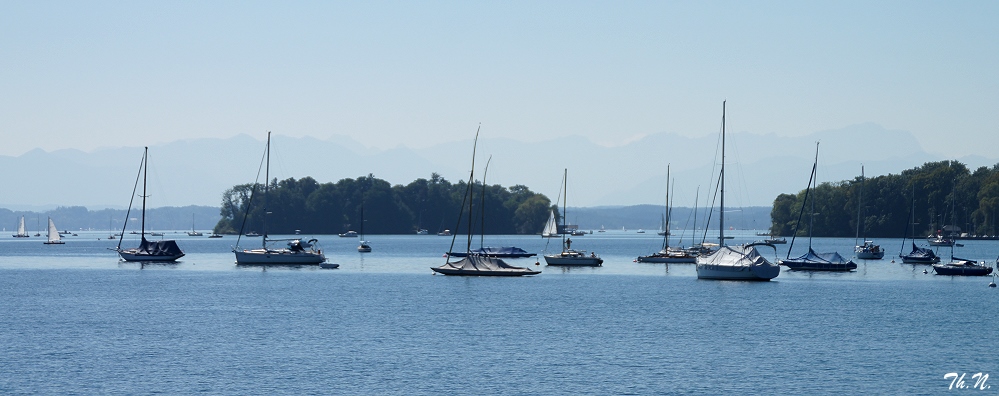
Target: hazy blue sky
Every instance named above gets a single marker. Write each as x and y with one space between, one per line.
88 74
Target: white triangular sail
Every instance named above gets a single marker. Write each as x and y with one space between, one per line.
53 232
551 229
20 228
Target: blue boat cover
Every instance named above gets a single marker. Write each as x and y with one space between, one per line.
502 251
921 253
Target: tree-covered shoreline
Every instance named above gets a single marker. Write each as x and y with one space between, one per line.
946 193
331 208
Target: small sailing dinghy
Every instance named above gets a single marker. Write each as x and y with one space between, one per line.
54 237
21 233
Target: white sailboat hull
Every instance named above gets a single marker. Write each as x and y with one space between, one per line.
277 257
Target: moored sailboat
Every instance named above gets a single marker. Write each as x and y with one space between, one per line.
733 262
570 256
296 250
158 251
867 251
813 261
474 264
668 254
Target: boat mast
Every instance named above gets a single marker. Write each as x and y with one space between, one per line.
565 200
860 207
666 221
267 182
721 206
814 179
482 206
693 236
145 169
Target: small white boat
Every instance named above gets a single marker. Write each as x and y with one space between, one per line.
422 231
348 234
20 229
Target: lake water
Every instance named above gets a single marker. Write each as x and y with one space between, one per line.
75 320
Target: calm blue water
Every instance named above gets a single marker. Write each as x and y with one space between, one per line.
75 320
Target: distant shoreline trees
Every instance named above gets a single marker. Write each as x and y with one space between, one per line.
946 193
332 208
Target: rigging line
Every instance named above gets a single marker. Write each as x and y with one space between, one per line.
465 198
482 206
802 211
558 203
707 223
130 201
253 192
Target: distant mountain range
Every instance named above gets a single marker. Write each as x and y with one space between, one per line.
196 172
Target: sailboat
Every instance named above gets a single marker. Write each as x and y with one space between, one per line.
474 264
551 228
918 255
20 229
162 250
962 267
364 246
111 228
742 262
296 252
813 261
54 237
193 232
490 251
570 256
668 254
867 251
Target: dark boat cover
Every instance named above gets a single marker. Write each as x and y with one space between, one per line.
481 265
820 261
158 248
491 251
921 254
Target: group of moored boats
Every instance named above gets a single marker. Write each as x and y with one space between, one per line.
713 261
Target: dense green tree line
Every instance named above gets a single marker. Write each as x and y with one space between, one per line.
946 193
331 208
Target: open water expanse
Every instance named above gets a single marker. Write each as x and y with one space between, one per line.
75 320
